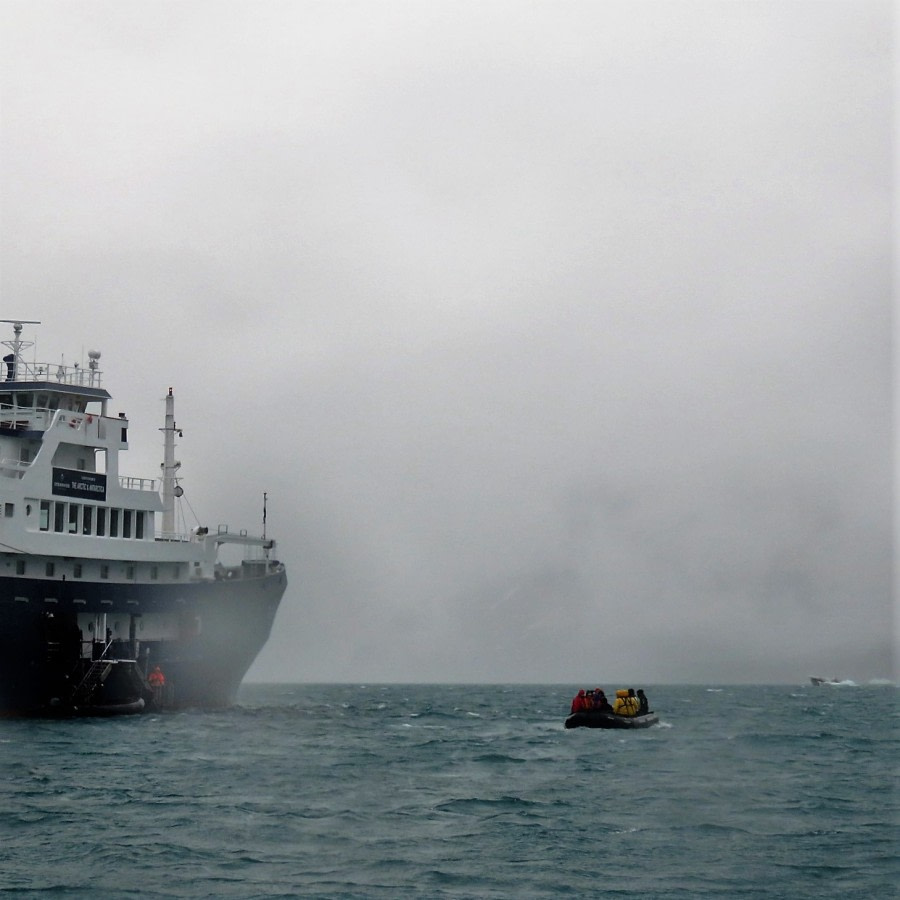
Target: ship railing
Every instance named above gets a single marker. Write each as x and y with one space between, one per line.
227 573
42 418
224 536
248 568
75 374
175 537
24 418
13 468
95 672
133 483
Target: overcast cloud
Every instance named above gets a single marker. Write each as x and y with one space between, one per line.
559 334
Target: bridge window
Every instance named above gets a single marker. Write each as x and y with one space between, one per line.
44 524
20 567
86 519
126 523
59 516
101 521
113 523
73 518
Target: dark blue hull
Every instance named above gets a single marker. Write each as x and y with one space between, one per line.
203 635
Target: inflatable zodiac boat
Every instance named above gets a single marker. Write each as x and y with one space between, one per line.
595 718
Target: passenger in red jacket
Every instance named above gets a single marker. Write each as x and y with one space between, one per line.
579 704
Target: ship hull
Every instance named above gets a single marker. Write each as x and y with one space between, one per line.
203 635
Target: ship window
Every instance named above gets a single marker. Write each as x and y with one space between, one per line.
45 515
126 523
20 567
154 573
80 464
6 401
9 509
41 401
177 573
139 525
129 572
50 569
24 455
76 570
25 401
73 518
86 518
59 513
104 571
101 521
113 523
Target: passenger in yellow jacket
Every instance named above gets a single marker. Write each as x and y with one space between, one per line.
626 703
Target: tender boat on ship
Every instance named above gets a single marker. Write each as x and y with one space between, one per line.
97 587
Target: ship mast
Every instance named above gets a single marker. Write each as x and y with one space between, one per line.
17 345
170 490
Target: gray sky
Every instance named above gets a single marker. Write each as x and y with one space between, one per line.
558 333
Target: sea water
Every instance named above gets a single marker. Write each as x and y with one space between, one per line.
358 791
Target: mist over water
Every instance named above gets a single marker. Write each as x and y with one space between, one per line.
539 323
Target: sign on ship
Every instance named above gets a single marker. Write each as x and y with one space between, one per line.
72 483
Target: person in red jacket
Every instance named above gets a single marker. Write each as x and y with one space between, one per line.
579 704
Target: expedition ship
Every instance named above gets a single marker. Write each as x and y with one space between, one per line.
97 588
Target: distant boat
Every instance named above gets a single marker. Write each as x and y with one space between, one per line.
817 681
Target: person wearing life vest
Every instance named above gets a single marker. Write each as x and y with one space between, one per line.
626 703
579 704
156 678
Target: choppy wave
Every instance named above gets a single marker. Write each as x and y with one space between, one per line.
459 792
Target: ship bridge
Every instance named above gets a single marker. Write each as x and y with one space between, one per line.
32 392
